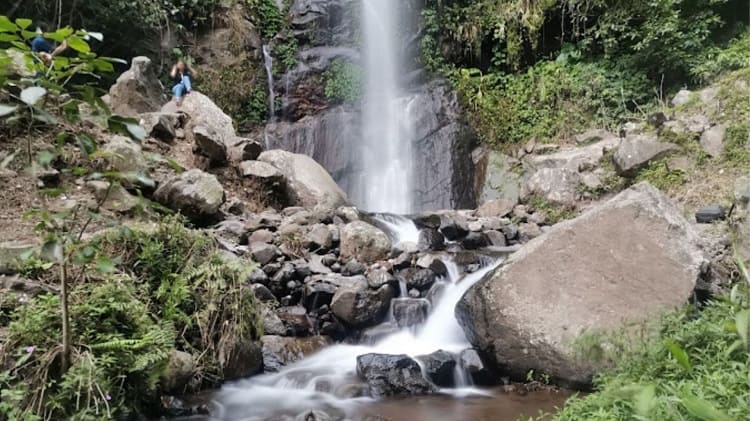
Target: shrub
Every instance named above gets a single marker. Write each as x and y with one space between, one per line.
170 289
551 99
696 365
343 81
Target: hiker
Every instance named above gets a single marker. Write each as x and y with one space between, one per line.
182 74
44 49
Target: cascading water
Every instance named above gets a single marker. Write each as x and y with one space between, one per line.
386 181
320 380
268 63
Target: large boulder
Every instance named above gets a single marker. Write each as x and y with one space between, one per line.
204 112
392 375
559 186
181 367
307 183
637 151
196 194
623 261
138 90
124 155
364 242
243 359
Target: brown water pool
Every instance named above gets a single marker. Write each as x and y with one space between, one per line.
501 406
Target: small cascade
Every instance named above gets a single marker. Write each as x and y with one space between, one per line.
268 63
401 229
320 380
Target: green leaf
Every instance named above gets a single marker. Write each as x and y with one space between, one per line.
33 94
127 126
680 355
87 144
45 158
742 322
6 109
71 111
23 23
44 117
702 409
105 265
96 35
103 65
60 35
78 44
28 34
5 37
6 25
645 401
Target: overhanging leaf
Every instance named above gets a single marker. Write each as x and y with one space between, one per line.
33 94
6 109
86 143
680 355
6 25
742 322
645 401
127 126
96 35
702 409
78 44
23 23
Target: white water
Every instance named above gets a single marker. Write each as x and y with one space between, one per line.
268 63
388 127
318 381
402 229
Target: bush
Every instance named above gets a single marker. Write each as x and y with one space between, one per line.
695 368
171 289
343 81
551 99
114 370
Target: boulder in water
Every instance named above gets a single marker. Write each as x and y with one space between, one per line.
360 306
244 358
440 367
181 367
421 279
364 242
575 279
410 311
392 375
279 352
471 363
307 183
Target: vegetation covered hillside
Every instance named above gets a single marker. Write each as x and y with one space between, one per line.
549 68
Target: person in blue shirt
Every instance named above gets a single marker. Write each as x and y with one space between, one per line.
181 73
44 49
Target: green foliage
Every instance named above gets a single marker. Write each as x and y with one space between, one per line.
551 99
117 19
717 61
166 289
343 81
554 213
190 285
661 176
735 144
240 91
114 370
694 366
267 17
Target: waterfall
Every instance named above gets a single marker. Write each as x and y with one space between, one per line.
318 380
386 181
268 63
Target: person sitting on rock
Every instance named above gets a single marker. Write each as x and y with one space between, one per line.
182 74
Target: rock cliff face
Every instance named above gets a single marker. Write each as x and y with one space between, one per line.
307 122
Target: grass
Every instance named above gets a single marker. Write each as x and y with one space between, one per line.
694 367
661 176
554 213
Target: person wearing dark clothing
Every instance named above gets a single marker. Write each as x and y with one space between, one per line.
182 75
